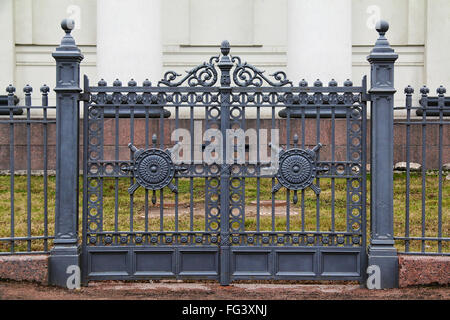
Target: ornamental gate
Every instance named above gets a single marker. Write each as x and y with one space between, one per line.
285 201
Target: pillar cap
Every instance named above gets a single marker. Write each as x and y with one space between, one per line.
68 47
382 49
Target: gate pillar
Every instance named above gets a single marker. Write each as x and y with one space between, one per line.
382 252
66 251
225 64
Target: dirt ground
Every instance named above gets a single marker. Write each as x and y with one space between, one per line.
118 290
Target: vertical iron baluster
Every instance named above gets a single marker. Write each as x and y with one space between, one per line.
191 179
177 125
409 91
45 89
303 190
441 103
288 146
318 159
161 191
146 215
424 90
116 156
333 158
131 157
10 89
273 179
258 181
28 91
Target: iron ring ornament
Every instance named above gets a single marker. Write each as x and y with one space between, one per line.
297 170
153 169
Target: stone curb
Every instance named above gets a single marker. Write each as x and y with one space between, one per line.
24 268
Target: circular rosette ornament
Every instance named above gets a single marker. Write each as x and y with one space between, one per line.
297 170
153 169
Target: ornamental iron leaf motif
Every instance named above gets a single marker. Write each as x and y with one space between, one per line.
297 170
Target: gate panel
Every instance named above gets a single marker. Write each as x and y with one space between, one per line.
203 202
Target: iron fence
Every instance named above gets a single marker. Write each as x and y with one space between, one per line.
425 229
28 142
124 137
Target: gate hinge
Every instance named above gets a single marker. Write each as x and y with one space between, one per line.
85 96
365 96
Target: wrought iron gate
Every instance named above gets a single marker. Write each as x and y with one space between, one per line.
207 219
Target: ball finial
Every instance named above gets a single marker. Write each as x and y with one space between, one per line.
68 25
225 47
382 27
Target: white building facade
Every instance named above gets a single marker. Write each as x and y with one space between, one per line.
308 39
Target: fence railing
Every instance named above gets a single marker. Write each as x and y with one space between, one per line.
425 224
27 196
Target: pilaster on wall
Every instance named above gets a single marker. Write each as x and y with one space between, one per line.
7 47
129 40
437 44
319 40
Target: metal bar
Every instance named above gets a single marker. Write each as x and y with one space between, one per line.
424 238
303 190
131 157
333 151
177 125
273 179
318 159
258 182
191 180
146 147
27 91
288 146
44 90
116 180
408 161
423 173
11 90
441 103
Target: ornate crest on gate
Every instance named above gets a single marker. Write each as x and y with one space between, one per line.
297 170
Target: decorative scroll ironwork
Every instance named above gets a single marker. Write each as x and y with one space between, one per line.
245 75
204 75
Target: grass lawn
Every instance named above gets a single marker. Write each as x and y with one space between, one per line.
151 217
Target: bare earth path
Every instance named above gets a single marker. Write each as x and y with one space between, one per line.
118 290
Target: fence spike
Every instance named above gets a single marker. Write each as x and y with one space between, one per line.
332 83
318 83
303 83
409 90
348 83
10 89
45 89
441 90
424 90
27 89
